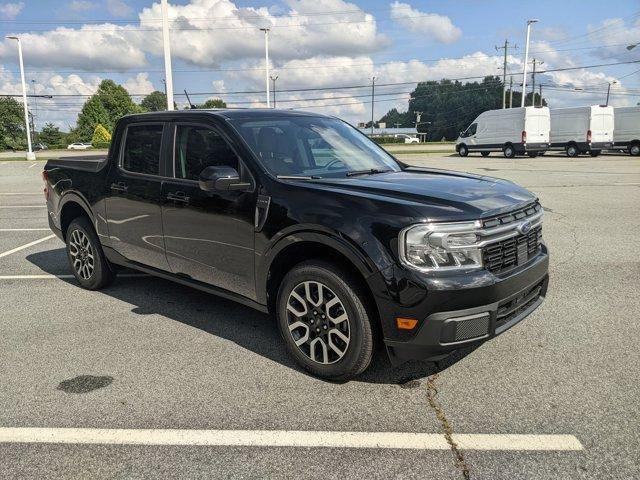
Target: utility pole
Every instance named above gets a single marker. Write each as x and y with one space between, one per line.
273 79
511 92
373 96
609 91
541 104
418 118
30 154
167 54
504 70
533 81
266 62
35 108
526 61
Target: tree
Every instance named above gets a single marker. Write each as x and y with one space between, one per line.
50 135
154 102
100 137
105 107
393 117
12 133
213 103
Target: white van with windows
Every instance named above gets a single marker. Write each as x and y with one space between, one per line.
626 130
579 130
512 131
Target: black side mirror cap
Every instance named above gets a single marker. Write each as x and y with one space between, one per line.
221 178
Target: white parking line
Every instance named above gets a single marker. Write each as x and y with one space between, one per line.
24 229
20 193
287 438
23 206
31 166
30 244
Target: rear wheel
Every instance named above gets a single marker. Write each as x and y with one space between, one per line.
634 149
463 150
572 150
324 322
509 151
485 154
86 258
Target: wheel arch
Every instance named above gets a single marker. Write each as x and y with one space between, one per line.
73 206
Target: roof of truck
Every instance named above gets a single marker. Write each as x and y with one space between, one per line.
232 113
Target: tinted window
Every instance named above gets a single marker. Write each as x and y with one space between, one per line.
198 147
316 146
142 149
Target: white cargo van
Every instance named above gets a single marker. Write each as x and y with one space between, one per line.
512 131
626 132
579 130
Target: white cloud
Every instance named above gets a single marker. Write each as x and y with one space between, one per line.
140 84
118 8
81 5
9 11
437 26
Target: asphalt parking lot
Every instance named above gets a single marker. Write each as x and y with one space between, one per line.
149 354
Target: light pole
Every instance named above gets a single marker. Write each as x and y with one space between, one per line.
167 54
273 79
526 60
609 91
30 154
266 61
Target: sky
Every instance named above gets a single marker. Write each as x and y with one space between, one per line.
317 47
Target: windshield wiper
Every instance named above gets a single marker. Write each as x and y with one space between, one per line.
369 171
297 177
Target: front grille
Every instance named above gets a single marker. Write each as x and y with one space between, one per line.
514 307
511 217
506 255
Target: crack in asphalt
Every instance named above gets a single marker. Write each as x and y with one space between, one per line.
447 429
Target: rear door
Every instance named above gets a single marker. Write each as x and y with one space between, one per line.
133 206
209 236
537 126
602 125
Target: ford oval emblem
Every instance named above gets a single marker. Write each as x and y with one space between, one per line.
525 228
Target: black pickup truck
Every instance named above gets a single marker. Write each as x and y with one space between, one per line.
302 216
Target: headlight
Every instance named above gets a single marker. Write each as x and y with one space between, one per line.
441 246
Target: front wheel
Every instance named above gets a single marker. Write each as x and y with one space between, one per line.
572 151
324 322
86 258
634 150
463 150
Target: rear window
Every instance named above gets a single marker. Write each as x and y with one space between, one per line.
142 149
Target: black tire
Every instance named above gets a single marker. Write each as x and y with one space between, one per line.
572 150
532 154
634 149
463 150
509 151
485 154
357 352
88 263
594 153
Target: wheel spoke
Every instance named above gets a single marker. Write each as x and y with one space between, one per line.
342 337
307 289
312 350
292 309
305 337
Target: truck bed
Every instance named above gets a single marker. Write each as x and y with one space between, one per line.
87 163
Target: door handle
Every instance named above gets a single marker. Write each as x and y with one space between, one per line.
178 197
119 187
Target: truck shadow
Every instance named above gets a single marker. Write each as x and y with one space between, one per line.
226 319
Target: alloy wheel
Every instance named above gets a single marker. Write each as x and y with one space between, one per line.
82 255
318 322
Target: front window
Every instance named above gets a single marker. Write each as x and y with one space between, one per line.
312 146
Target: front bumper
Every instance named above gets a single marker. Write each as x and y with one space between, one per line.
461 311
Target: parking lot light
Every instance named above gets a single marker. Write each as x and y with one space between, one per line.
526 60
30 154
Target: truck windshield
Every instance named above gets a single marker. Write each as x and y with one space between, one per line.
312 147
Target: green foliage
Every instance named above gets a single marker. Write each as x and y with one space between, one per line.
50 135
100 136
393 117
105 107
12 133
101 145
154 102
213 103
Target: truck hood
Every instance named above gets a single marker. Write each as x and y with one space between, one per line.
458 194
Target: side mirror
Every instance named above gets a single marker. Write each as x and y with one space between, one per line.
221 178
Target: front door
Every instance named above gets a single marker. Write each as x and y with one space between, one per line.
133 207
209 236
